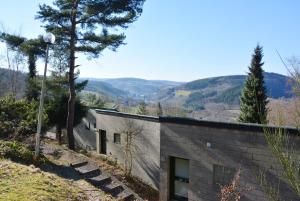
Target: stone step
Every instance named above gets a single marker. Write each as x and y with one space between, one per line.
113 188
88 171
99 180
78 164
126 196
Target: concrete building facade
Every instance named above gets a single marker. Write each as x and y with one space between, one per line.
187 159
145 147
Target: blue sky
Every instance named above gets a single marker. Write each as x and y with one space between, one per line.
184 40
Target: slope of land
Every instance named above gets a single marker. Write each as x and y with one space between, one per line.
46 180
20 182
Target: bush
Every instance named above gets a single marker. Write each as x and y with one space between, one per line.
17 117
15 151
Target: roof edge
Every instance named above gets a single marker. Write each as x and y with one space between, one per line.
196 122
122 114
226 125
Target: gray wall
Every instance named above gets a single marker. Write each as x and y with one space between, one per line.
147 144
229 148
232 146
84 134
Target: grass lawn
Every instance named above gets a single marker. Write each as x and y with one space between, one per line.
20 182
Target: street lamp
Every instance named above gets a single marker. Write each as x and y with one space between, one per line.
49 38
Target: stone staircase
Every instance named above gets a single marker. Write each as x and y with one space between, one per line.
104 181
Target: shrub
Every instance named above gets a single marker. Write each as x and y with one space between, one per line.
17 117
16 151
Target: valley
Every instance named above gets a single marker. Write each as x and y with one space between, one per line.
215 98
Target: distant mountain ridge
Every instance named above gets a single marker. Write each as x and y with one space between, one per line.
105 89
196 95
129 87
225 89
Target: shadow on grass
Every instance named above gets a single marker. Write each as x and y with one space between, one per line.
19 153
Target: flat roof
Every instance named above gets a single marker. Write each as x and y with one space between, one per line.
196 122
225 125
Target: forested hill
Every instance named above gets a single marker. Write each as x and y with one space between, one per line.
225 89
135 88
105 89
195 94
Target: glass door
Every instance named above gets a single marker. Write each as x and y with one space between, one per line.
179 178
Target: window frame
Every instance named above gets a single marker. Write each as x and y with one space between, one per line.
117 136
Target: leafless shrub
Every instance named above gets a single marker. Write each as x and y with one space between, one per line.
233 191
130 132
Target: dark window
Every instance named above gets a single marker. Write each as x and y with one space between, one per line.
117 138
222 175
95 125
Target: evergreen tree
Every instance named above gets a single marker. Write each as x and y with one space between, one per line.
57 94
32 49
253 100
77 25
142 110
159 111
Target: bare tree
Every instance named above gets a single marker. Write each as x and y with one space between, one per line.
15 64
130 132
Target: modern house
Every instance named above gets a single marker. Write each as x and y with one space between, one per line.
187 159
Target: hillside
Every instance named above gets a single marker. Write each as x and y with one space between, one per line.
21 182
24 177
140 87
105 89
195 95
130 87
224 90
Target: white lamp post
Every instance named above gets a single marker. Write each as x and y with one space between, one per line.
49 38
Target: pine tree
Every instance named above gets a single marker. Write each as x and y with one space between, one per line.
78 23
142 110
159 111
32 49
57 94
253 100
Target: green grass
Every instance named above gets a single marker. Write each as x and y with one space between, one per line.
20 182
182 93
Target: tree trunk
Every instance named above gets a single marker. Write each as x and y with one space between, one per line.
59 134
31 92
71 102
31 65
